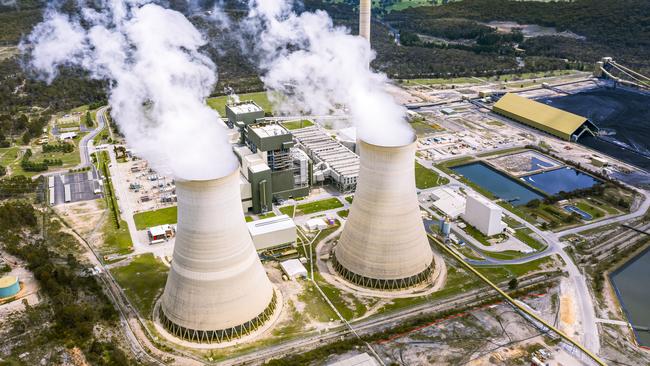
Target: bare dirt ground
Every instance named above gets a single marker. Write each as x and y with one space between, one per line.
494 335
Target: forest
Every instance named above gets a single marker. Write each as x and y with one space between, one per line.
617 28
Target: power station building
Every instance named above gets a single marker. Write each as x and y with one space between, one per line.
332 162
484 215
273 232
270 163
559 123
384 244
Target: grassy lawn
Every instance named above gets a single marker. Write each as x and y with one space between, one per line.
267 215
524 236
116 241
317 206
294 125
219 103
167 215
344 213
288 210
142 280
505 255
427 178
502 152
502 273
596 213
315 305
349 198
423 128
8 155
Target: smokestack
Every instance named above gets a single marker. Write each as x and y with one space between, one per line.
217 289
365 9
384 244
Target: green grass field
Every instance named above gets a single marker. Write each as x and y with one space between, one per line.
142 280
427 178
167 215
219 103
288 210
294 125
317 206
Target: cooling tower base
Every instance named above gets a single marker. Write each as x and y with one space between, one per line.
380 284
220 335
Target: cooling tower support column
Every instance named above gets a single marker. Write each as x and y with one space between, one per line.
384 244
217 289
365 9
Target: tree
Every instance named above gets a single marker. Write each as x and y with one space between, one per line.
513 283
3 171
89 120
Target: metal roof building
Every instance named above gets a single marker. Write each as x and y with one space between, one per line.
273 232
559 123
339 163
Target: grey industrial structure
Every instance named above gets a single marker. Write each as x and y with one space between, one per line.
384 244
332 161
217 289
269 161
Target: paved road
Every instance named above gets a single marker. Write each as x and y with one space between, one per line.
584 300
86 143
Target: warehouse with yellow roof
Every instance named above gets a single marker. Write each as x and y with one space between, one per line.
559 123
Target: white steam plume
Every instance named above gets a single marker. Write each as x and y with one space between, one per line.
159 80
324 70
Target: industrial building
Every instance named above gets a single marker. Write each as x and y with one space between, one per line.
559 123
448 201
9 286
217 289
273 167
484 215
160 233
383 244
274 232
332 162
293 268
363 359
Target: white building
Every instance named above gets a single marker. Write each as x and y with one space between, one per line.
277 231
363 359
449 201
293 268
484 215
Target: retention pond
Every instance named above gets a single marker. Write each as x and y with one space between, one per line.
497 183
631 283
561 180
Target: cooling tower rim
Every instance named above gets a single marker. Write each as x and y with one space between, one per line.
387 147
204 180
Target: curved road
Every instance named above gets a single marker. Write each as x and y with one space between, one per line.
584 300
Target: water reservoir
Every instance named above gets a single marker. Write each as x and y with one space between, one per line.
564 179
497 183
631 283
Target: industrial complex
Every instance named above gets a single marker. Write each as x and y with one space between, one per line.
495 236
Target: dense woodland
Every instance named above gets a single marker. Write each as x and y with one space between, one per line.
617 28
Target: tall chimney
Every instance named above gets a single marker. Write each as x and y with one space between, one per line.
365 8
384 244
217 289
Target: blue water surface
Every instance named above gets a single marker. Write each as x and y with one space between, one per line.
497 183
631 284
563 179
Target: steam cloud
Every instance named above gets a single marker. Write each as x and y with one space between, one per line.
159 80
324 70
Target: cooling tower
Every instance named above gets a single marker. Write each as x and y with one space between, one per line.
365 8
384 244
216 289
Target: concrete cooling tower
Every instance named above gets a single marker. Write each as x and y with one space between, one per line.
384 244
365 8
217 289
